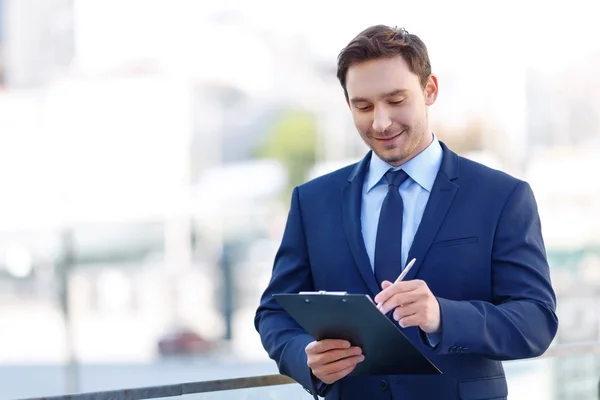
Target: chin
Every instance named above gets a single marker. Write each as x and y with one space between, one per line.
396 157
393 158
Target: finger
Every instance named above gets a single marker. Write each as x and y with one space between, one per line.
331 369
331 378
411 320
408 310
326 345
401 299
386 284
398 287
332 356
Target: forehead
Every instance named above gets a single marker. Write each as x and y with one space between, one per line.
370 79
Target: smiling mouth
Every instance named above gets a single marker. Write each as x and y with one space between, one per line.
390 138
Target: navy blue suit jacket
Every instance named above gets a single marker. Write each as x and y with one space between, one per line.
480 250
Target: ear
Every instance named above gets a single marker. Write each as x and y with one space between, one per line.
431 90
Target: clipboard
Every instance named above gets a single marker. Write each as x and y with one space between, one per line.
354 317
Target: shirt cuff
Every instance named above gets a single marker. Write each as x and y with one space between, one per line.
321 387
434 338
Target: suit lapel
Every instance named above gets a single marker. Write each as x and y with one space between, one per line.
351 204
440 200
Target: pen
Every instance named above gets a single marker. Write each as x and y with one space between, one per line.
402 275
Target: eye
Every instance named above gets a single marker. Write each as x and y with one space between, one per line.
397 102
364 108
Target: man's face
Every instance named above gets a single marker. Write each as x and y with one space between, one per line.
390 107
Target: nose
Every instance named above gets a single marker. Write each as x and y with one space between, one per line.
381 120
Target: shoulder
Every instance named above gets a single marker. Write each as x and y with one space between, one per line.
495 188
495 194
486 177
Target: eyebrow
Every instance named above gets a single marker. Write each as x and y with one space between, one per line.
388 94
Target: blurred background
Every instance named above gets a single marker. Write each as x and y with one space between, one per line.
130 252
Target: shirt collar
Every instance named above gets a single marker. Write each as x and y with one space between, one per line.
422 169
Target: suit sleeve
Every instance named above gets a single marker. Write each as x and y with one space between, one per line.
521 322
283 339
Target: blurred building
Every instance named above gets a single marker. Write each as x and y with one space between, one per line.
564 105
38 40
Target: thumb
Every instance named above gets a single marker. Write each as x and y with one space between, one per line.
386 284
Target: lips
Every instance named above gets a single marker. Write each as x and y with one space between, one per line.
389 138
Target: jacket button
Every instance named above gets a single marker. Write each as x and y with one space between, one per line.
383 385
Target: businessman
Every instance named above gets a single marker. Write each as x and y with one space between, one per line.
480 289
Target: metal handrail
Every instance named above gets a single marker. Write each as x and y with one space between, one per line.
181 389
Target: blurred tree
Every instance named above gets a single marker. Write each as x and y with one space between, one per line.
292 140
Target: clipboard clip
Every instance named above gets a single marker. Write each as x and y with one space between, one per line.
326 292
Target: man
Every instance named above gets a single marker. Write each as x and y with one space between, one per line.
479 291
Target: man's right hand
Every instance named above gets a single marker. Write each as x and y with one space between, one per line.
330 360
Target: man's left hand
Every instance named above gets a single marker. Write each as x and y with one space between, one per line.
413 304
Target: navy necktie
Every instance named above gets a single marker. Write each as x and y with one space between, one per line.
388 244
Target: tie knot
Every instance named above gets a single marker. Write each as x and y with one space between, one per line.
395 178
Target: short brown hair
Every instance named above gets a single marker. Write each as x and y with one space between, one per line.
381 41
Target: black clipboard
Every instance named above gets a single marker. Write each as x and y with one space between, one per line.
354 317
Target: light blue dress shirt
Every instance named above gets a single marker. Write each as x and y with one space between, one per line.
415 191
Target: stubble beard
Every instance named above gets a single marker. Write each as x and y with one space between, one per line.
408 150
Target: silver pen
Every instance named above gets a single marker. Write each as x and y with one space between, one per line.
402 275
